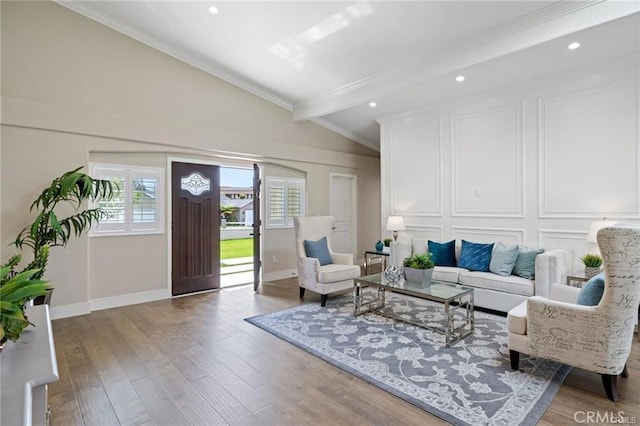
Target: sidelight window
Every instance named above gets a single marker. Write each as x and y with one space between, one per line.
136 207
284 201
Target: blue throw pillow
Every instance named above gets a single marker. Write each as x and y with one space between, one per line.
591 292
525 266
503 259
319 250
475 257
442 254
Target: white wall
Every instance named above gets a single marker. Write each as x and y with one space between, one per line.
532 164
74 91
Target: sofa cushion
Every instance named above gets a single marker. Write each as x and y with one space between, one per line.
591 292
517 319
526 264
319 250
490 281
449 274
334 272
443 254
475 257
503 259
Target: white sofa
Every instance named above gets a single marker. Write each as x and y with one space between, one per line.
493 291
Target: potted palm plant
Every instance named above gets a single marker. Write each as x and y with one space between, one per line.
418 269
49 229
15 291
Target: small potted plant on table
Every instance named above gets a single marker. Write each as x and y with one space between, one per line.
418 269
592 265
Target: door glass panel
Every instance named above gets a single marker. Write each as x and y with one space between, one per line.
195 183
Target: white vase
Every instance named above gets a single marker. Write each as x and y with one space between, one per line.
418 277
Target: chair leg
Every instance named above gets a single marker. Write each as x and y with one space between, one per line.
625 372
610 383
323 300
302 289
515 359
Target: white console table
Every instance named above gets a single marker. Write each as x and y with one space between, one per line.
26 367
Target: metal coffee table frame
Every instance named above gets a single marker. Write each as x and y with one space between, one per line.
453 297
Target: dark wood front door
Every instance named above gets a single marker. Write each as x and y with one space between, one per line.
195 227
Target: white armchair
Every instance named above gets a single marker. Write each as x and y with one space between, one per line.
595 338
322 279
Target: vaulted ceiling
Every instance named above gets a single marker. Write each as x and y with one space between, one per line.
327 61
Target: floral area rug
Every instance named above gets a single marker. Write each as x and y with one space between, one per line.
470 383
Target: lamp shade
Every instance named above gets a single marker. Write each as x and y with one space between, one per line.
595 226
395 223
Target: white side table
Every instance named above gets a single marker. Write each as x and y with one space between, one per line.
26 367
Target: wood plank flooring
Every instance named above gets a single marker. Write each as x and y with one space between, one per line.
194 360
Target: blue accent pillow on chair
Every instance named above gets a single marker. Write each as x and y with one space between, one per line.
591 292
319 250
443 254
475 257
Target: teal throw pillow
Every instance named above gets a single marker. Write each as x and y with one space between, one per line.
475 257
319 250
591 292
442 254
503 259
525 266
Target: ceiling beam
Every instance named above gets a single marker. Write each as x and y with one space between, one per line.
547 24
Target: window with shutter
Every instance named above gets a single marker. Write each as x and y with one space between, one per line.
285 200
136 207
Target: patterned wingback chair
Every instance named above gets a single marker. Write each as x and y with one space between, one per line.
323 279
595 338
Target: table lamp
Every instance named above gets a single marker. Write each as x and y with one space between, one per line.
395 224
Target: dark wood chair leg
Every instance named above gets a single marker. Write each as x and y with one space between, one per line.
302 289
625 372
323 300
610 383
515 359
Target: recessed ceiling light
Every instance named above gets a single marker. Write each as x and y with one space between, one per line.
574 45
460 78
213 10
372 104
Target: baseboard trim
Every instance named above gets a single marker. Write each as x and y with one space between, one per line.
128 299
65 311
280 275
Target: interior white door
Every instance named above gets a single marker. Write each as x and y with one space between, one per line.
343 210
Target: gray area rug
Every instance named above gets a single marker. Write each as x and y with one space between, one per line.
470 383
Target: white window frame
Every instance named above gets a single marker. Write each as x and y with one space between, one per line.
130 174
286 183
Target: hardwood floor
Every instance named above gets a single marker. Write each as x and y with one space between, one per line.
194 360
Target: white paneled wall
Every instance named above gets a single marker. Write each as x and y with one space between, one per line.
530 165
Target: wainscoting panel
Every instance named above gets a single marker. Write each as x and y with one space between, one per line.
416 173
579 134
423 232
507 236
575 242
487 163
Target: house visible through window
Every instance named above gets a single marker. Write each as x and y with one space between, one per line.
136 207
285 200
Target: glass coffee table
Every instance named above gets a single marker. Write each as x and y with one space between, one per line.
454 298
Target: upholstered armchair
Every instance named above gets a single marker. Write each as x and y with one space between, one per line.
327 278
594 338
